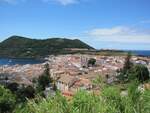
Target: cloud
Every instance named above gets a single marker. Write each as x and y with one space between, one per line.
120 34
63 2
109 31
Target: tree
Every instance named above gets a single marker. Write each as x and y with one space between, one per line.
122 76
91 61
139 72
7 100
47 72
13 87
127 65
44 80
29 92
25 92
124 72
54 85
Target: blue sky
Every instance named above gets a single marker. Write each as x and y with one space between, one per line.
107 24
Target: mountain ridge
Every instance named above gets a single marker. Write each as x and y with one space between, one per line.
23 47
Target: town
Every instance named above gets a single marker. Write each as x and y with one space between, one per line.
71 72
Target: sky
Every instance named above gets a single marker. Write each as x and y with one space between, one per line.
103 24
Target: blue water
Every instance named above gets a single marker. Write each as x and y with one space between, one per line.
141 52
8 61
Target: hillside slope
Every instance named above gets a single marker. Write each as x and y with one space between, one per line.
21 47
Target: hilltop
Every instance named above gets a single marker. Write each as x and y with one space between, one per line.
22 47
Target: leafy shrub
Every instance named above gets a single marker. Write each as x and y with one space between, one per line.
91 62
108 101
7 100
25 92
84 102
139 72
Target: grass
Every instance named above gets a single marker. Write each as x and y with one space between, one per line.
108 101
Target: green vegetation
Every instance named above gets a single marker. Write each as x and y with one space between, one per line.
127 64
45 80
139 72
7 100
132 71
42 82
22 47
124 72
25 92
108 101
91 62
111 53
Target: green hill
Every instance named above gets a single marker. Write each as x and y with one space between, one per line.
21 47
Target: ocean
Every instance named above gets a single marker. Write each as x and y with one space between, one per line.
145 53
14 61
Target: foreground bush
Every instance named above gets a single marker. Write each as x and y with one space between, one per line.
109 101
57 104
84 102
7 100
140 72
